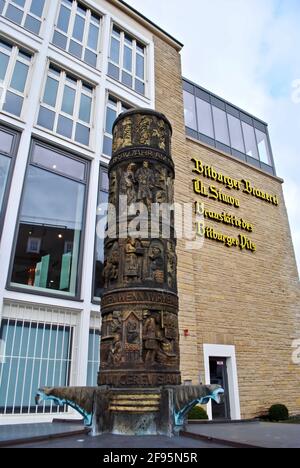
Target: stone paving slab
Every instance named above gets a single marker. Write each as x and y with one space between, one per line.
123 442
19 433
256 434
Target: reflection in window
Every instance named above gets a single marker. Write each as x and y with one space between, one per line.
14 69
263 147
52 229
67 106
35 355
93 357
127 60
26 13
236 135
190 110
205 122
101 224
221 127
250 141
114 108
77 30
7 152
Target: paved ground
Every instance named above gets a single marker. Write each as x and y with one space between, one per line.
20 432
108 441
259 434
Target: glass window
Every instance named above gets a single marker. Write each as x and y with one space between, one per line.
236 135
93 357
7 152
263 147
14 71
56 227
221 127
77 30
26 13
35 355
67 106
250 141
114 108
190 110
100 223
205 122
127 60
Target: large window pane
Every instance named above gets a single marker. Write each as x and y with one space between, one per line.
4 171
221 128
49 237
250 141
13 104
6 141
68 100
63 19
93 37
115 50
127 59
205 122
14 14
236 136
4 59
37 7
50 94
78 28
32 24
85 108
190 110
19 77
263 147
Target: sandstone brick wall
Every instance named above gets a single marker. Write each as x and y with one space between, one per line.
227 296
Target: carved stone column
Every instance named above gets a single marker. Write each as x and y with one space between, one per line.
140 338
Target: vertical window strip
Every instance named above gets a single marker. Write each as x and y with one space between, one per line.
29 15
14 71
94 356
85 45
52 114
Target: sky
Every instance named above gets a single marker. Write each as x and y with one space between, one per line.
248 52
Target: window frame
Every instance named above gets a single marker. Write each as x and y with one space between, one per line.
13 59
69 34
102 168
57 110
120 104
36 292
13 156
135 53
26 12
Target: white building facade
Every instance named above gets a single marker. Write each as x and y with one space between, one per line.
67 69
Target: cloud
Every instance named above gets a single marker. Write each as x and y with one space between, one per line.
248 53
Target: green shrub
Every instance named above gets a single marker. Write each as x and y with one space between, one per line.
278 413
197 413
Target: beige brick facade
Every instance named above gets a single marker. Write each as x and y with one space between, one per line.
228 296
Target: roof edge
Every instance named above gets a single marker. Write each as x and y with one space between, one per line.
177 44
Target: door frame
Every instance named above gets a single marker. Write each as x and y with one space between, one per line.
228 352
